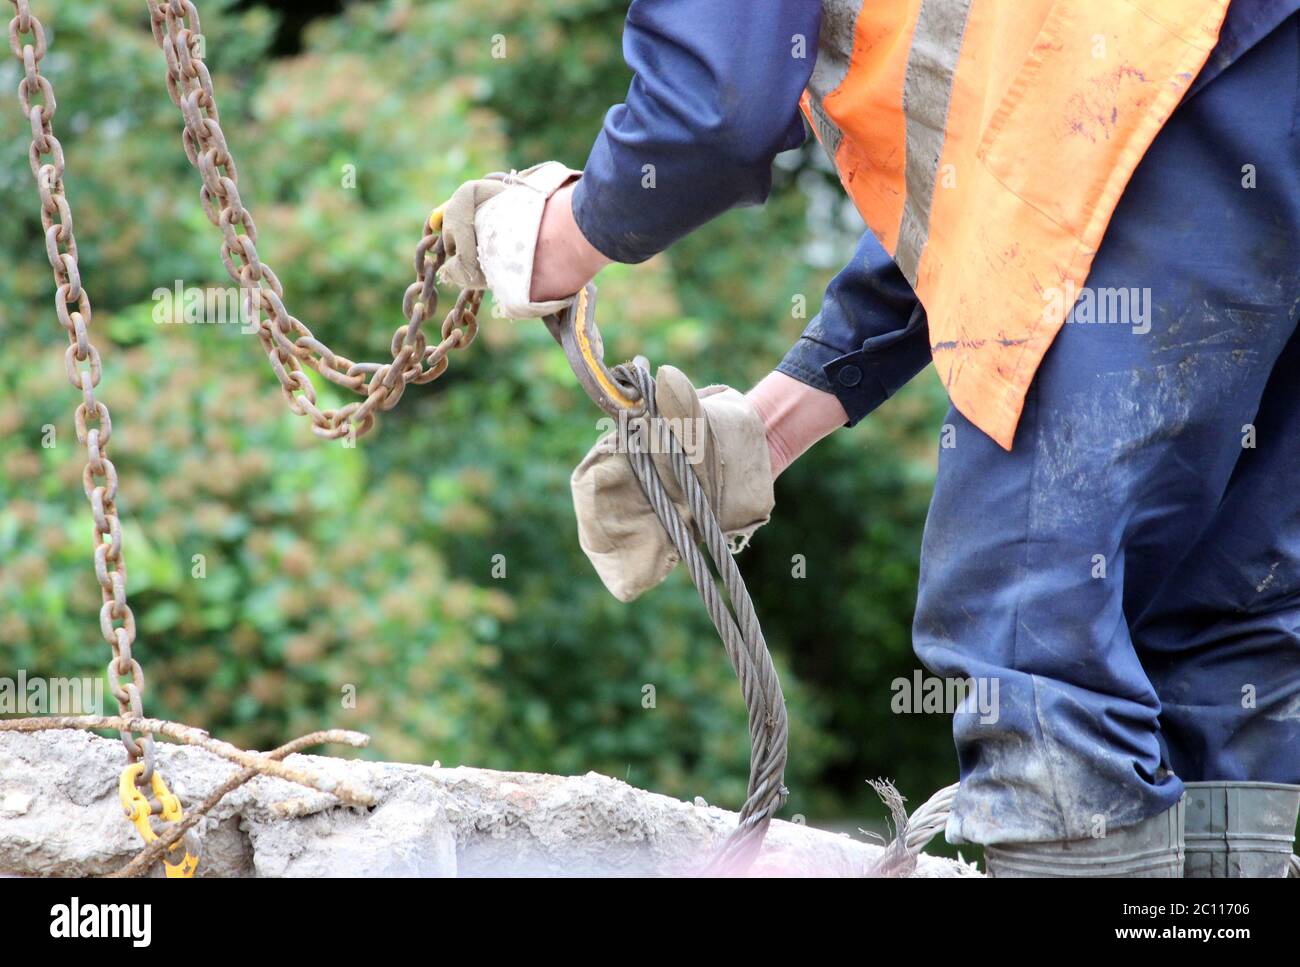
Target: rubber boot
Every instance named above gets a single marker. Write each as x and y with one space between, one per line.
1240 829
1152 848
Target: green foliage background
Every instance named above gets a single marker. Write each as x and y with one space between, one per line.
328 566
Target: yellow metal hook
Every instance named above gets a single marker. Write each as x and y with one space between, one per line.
136 805
575 330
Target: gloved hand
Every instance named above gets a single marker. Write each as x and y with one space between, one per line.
722 434
489 229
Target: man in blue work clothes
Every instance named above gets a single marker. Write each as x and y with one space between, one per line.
1128 569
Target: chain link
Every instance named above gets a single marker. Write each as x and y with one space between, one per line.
94 424
288 342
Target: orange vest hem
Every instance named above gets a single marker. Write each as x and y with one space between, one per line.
990 158
998 414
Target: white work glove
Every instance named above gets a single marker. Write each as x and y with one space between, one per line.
618 529
489 229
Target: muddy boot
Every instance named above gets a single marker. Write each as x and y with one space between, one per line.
1152 848
1240 829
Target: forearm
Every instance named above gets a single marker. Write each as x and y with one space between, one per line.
714 98
795 416
869 339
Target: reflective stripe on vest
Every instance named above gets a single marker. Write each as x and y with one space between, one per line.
987 143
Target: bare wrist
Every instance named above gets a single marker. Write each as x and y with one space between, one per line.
564 261
795 416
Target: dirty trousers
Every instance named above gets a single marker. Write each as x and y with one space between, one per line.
1129 573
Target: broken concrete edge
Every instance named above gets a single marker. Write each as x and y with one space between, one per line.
59 815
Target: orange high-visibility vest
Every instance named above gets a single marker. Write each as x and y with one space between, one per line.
986 143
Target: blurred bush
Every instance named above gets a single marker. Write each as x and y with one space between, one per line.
378 568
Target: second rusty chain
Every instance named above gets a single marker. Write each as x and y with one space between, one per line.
94 430
288 342
94 425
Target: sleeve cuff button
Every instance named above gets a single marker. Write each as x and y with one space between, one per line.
849 376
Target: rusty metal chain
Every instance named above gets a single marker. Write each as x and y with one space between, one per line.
288 342
94 425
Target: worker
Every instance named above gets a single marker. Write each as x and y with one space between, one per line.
1087 215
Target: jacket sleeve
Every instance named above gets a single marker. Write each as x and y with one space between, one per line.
870 337
714 98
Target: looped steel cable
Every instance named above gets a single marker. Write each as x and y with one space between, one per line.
737 625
